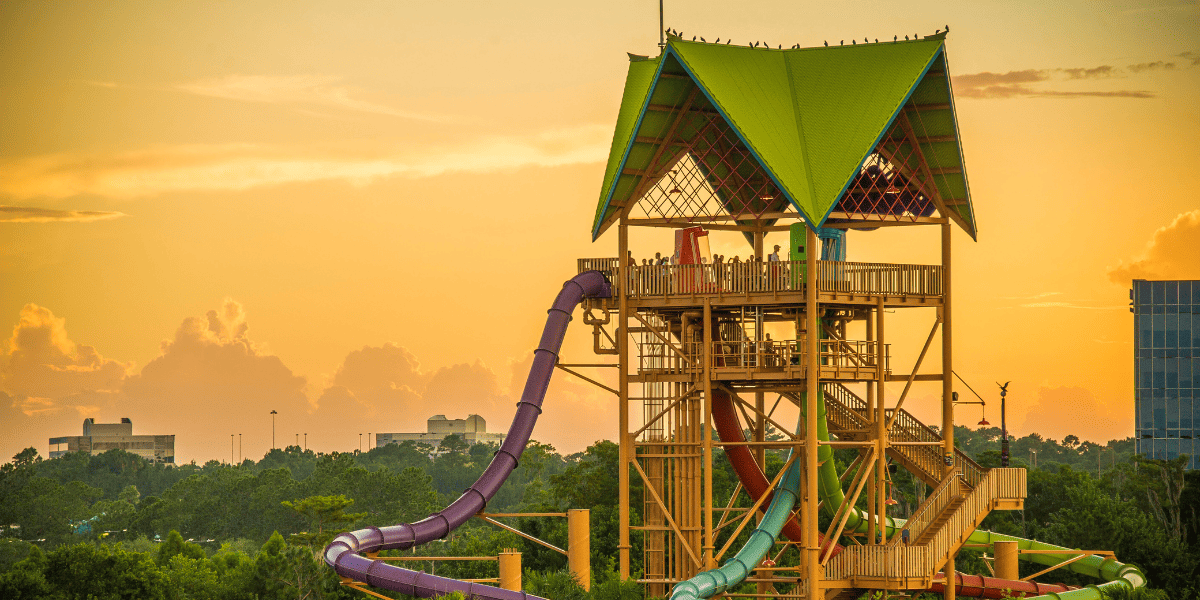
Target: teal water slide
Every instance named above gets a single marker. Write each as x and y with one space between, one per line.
709 583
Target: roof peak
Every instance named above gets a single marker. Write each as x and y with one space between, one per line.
674 38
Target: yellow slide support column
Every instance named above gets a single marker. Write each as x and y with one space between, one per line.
1006 560
579 546
510 570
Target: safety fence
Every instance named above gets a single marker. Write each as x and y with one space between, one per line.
670 280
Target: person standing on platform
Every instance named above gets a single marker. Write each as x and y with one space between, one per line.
774 269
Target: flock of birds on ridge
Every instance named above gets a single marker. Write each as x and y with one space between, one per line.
895 38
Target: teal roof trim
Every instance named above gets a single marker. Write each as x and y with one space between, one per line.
892 121
970 216
613 172
733 126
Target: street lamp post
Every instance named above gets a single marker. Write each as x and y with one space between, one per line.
239 448
1003 427
273 413
360 442
231 448
306 441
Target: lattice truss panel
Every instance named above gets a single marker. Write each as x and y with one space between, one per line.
705 173
893 183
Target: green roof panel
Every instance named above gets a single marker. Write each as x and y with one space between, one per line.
810 116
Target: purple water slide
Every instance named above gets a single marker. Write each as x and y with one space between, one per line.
344 553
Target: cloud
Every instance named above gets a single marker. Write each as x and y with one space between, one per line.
1018 84
1069 305
1092 73
1191 55
1152 66
1033 297
1062 411
235 167
1171 254
310 90
209 379
46 372
383 382
29 214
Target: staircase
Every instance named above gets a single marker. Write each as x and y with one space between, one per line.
940 525
848 419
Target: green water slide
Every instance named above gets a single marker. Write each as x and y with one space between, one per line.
733 572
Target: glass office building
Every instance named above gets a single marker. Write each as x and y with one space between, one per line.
1167 368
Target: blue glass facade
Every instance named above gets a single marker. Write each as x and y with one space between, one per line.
1167 368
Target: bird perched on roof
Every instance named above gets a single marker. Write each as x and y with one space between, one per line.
876 40
947 29
693 38
718 41
729 41
866 40
916 36
855 42
780 47
895 38
906 38
842 43
827 42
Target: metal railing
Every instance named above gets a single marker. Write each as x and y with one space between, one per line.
650 281
896 561
851 357
947 492
906 428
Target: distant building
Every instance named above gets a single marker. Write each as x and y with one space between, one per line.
1166 350
473 430
102 437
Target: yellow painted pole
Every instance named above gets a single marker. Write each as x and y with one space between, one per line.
872 318
707 439
880 427
510 570
624 448
947 387
579 546
1006 560
811 547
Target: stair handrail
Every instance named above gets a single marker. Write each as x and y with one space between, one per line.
949 490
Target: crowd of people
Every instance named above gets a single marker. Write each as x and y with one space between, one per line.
754 274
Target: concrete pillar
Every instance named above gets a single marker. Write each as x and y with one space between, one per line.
1006 560
579 545
510 570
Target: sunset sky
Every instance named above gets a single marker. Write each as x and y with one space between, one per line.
357 213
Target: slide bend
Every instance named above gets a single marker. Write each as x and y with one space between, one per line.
344 553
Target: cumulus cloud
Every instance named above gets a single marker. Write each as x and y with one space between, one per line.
301 90
1090 418
29 214
209 378
45 372
1171 254
1023 84
1190 55
381 382
235 167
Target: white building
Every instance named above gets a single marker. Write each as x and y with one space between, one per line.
102 437
473 430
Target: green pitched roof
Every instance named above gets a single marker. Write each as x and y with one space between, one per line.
809 116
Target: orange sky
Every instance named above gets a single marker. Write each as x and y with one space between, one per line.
356 213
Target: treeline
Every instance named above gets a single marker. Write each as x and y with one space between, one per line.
254 530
